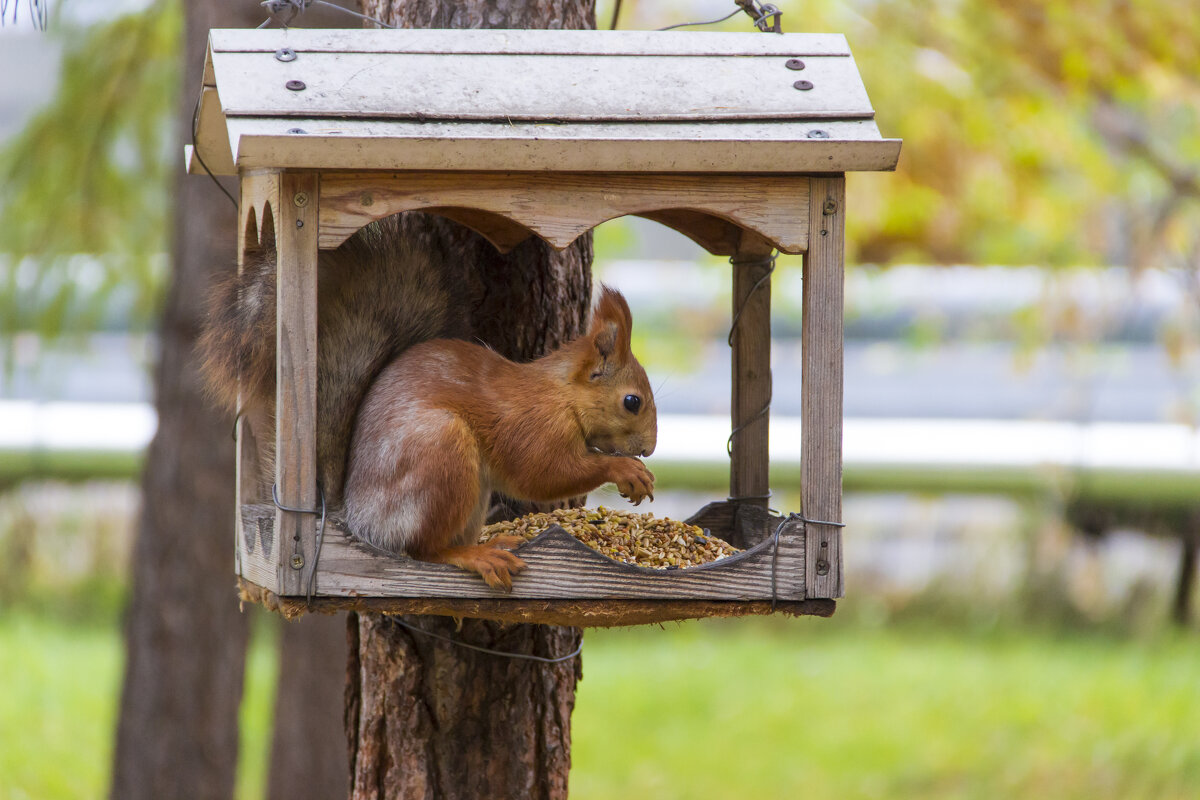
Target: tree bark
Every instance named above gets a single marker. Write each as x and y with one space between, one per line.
426 718
185 637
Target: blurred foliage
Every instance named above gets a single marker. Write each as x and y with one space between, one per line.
84 187
1050 133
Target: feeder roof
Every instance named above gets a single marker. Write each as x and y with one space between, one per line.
594 101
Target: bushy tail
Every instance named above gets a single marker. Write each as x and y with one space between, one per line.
238 339
377 296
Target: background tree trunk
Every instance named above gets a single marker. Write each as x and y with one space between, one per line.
185 637
425 718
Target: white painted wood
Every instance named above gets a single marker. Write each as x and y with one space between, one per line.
361 145
558 566
681 43
520 87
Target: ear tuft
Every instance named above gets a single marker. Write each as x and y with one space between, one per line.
612 312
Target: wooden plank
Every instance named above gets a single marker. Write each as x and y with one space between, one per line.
678 43
558 566
580 613
212 137
750 338
748 148
296 379
559 208
539 88
821 403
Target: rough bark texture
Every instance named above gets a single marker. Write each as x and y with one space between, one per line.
429 719
185 637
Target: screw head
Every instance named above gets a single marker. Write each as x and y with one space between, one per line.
803 86
300 199
817 134
296 86
297 561
367 199
794 63
285 54
822 567
296 130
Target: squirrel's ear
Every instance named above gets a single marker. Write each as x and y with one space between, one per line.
612 319
608 335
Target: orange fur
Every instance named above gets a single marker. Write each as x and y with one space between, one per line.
449 421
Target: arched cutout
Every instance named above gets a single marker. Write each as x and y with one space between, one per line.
250 232
266 232
712 210
716 235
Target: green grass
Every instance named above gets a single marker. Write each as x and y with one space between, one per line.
750 709
817 709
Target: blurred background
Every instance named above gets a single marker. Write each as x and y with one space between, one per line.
1022 456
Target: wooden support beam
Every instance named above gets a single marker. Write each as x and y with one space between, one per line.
821 404
296 381
1185 584
256 193
750 339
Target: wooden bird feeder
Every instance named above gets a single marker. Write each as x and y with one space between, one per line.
740 141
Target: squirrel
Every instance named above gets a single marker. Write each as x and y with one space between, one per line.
416 426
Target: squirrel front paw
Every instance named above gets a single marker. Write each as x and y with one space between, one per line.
634 481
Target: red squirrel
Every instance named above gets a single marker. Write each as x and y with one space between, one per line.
416 426
448 422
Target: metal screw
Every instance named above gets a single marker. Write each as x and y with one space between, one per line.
794 63
803 86
830 207
285 54
817 134
367 199
300 224
296 86
296 130
822 567
300 199
298 562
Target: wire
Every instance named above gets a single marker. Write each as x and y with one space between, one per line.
196 152
710 22
506 654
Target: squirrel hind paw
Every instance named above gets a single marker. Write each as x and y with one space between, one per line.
494 565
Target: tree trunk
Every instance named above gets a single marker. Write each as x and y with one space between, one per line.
426 718
185 637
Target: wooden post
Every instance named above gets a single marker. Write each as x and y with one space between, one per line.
751 343
256 192
821 404
296 381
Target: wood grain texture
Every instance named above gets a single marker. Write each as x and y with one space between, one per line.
751 366
565 42
559 566
822 385
778 146
581 613
296 380
559 208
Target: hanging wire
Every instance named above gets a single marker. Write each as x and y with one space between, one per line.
503 653
733 13
766 17
284 11
196 153
733 328
296 555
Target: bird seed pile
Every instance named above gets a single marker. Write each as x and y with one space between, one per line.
640 539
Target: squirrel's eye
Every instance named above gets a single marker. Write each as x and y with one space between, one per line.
632 403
